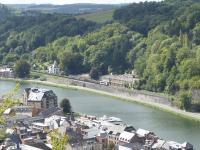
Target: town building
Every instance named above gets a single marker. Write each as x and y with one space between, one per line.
40 99
54 69
90 133
6 72
22 110
51 123
89 145
51 111
85 132
114 133
129 141
101 137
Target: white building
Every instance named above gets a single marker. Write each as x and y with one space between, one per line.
129 141
6 72
50 123
142 132
126 137
54 69
90 133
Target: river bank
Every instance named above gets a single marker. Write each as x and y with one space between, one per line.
166 108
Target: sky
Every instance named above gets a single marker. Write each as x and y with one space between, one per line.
60 2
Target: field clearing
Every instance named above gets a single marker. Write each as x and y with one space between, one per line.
99 17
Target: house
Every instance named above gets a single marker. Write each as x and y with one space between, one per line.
37 146
90 133
23 110
129 141
171 145
187 146
51 111
40 99
18 110
39 127
55 122
54 69
131 146
145 133
127 137
79 141
11 121
87 145
158 144
101 137
114 133
23 130
51 123
6 72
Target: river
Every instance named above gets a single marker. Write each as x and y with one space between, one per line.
165 125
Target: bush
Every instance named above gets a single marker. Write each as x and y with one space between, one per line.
35 76
43 78
185 99
94 73
111 145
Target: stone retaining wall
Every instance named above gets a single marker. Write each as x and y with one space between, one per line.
119 91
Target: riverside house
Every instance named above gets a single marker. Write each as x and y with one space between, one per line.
40 99
6 72
54 69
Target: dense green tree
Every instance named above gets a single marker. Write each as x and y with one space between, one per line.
196 32
186 100
71 63
66 106
94 73
22 69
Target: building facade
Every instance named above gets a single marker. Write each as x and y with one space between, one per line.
41 99
54 69
6 73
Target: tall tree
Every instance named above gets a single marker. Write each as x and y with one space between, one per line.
66 106
22 69
58 140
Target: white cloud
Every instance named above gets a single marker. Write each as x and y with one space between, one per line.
69 1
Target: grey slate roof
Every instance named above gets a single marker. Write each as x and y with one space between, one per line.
37 94
50 111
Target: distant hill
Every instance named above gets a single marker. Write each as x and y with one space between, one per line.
64 9
143 17
99 17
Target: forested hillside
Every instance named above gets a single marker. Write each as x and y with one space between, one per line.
160 41
106 49
20 35
4 12
170 59
173 15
